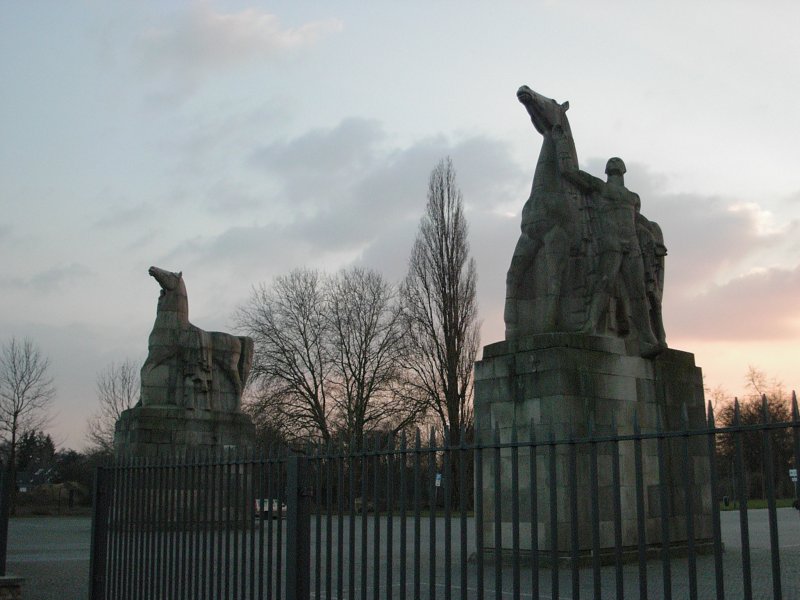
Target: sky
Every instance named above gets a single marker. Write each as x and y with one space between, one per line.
236 141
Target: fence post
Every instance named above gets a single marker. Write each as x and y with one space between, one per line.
5 499
298 529
98 555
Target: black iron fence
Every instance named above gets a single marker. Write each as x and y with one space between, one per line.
632 515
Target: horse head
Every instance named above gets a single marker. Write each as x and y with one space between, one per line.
545 112
166 279
173 292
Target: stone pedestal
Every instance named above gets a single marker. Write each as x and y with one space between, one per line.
11 587
557 384
149 431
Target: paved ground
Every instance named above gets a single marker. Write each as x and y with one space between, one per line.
52 554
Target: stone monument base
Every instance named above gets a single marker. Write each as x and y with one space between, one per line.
552 386
11 587
149 431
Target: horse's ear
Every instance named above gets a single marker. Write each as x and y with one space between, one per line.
565 106
180 274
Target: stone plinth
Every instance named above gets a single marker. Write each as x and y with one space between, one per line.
557 383
11 587
149 431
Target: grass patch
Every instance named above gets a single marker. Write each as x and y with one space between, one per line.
758 503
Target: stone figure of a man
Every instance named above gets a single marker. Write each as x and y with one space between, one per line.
619 255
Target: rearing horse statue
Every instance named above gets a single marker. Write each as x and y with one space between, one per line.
189 367
552 229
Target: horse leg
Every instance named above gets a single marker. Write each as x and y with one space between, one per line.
522 259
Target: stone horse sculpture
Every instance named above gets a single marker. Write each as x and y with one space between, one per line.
189 367
551 231
586 261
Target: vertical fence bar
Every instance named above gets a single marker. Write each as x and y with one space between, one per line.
183 533
711 447
390 461
272 494
462 507
133 512
572 453
663 501
121 589
515 583
769 475
330 466
298 529
479 541
796 438
688 472
197 523
417 515
617 487
99 548
376 521
140 517
351 566
432 494
595 507
534 496
165 496
227 506
553 515
640 515
251 520
152 523
363 515
113 532
258 485
5 498
248 525
498 517
163 551
743 520
318 499
263 465
218 489
121 529
446 484
236 519
403 532
280 517
340 522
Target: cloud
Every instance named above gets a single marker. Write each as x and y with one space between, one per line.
758 306
346 193
50 280
199 41
124 217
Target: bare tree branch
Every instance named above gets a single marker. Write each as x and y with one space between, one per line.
118 389
367 352
291 365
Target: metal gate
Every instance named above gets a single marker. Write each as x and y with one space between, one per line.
399 518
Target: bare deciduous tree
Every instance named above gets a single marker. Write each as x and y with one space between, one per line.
440 307
118 390
328 356
26 392
366 340
291 366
